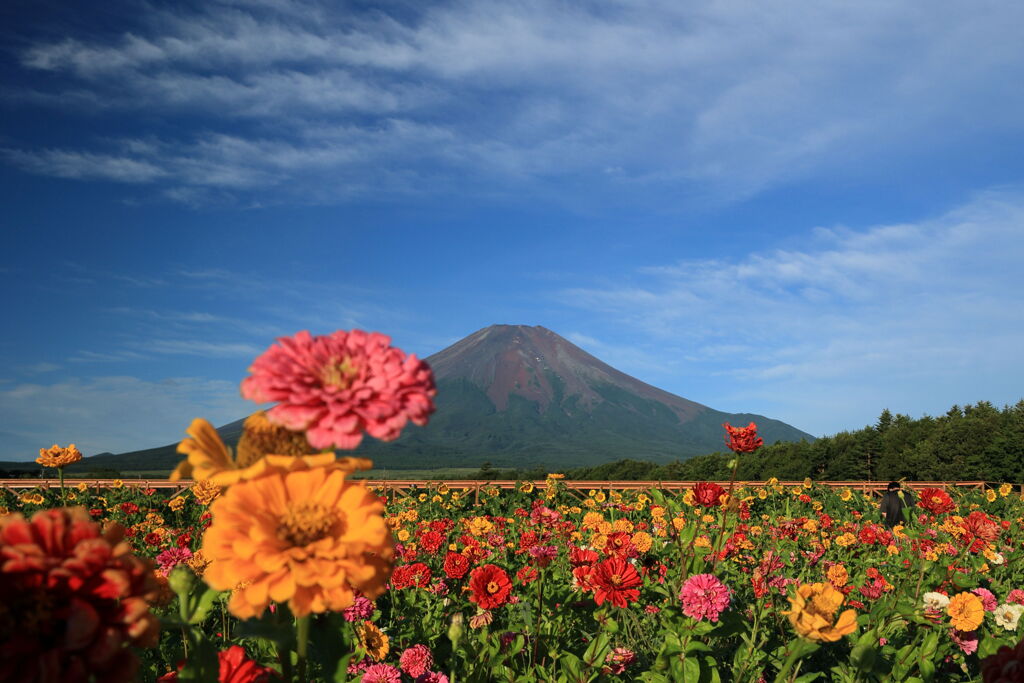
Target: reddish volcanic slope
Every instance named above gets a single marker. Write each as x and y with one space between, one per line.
519 359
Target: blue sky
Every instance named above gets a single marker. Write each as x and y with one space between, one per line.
812 212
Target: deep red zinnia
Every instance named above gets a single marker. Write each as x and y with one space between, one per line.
455 565
616 581
708 494
743 439
936 501
74 599
490 586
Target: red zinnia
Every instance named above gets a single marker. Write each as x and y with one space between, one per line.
616 581
743 439
708 494
980 529
431 541
337 386
234 667
456 565
936 501
74 599
416 575
490 586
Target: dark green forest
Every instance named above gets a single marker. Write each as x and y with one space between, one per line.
976 442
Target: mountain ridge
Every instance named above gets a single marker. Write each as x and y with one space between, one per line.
518 396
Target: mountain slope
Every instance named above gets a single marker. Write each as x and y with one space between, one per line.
519 396
515 396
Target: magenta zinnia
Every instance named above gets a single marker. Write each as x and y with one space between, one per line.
704 597
337 386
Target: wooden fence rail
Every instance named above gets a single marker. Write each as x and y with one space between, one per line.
403 486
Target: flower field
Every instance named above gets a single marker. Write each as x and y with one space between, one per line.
273 563
547 584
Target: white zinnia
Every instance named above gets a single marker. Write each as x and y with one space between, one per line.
1008 615
935 602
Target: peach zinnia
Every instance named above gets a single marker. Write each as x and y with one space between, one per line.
813 613
300 533
337 386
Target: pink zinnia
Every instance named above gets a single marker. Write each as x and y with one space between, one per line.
361 610
1016 596
432 677
619 659
337 386
988 599
382 673
416 660
172 557
704 596
967 641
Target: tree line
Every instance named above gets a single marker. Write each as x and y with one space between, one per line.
976 442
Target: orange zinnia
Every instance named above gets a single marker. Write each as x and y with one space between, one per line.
966 611
58 457
299 533
813 613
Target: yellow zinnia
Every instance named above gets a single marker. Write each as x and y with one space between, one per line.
966 611
813 613
300 533
209 459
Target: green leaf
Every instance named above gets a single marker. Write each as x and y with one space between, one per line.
691 669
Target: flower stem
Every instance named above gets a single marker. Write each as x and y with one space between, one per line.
726 511
60 475
302 645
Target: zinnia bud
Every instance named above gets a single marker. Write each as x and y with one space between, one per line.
455 629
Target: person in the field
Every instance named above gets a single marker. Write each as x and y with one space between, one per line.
894 501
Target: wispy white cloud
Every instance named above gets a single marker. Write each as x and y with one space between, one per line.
920 313
113 413
726 97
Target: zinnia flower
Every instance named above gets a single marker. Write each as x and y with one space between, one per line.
335 387
616 581
455 565
382 673
208 459
935 602
234 666
813 613
58 457
988 599
360 610
72 599
416 660
300 533
743 439
1005 666
936 501
966 611
373 640
704 596
966 641
708 494
490 586
172 557
1008 615
618 660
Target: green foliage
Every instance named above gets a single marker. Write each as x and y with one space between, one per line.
975 443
